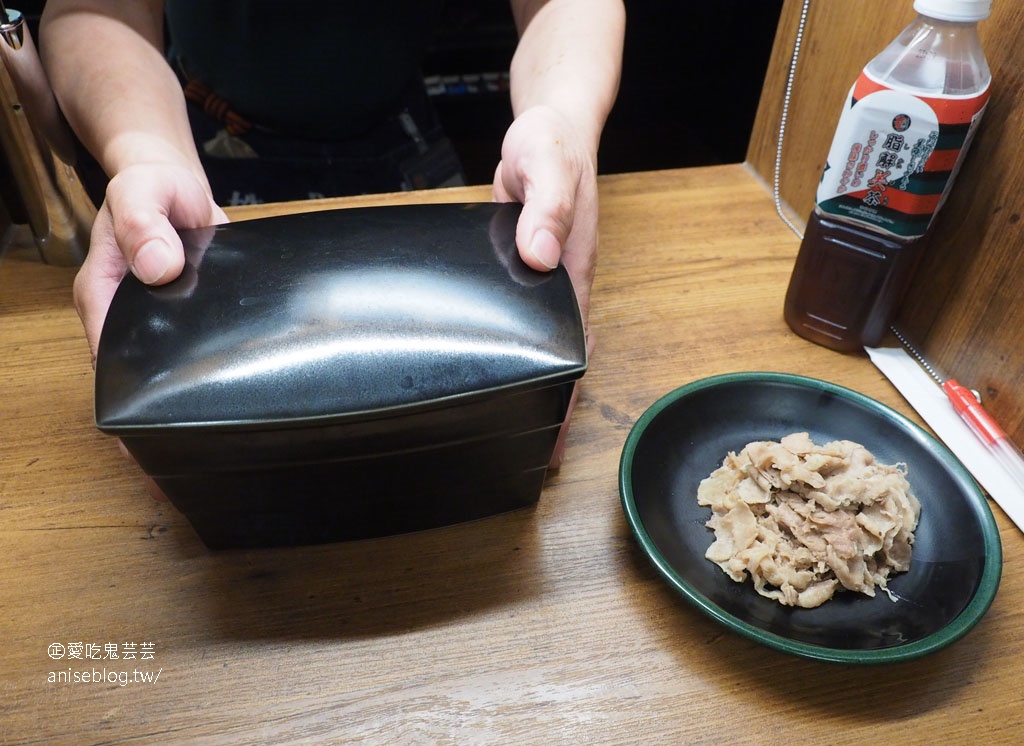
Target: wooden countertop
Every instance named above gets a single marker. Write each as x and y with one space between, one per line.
544 626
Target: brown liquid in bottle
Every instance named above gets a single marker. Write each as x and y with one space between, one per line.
847 283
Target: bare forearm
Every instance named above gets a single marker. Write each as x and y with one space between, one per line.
569 57
105 62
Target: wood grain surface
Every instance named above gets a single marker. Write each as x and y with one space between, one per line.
542 626
963 310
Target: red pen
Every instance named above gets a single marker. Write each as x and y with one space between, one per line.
987 429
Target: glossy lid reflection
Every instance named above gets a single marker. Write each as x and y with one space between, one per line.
336 313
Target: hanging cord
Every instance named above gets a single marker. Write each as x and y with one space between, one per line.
217 107
785 115
920 358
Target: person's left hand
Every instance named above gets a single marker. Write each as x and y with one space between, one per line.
547 167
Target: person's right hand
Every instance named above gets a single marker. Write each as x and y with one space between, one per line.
135 231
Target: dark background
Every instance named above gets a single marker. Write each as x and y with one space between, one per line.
692 76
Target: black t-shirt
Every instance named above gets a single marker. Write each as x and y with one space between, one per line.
322 70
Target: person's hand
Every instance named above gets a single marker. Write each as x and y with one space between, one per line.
546 166
135 230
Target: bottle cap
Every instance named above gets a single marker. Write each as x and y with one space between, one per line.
954 10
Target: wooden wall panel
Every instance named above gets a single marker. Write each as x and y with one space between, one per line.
964 310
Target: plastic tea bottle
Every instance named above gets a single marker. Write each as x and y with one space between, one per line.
902 136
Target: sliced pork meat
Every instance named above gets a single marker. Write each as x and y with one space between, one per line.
804 521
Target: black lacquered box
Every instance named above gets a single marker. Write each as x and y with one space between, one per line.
339 375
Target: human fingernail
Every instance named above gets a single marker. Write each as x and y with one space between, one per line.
152 261
545 248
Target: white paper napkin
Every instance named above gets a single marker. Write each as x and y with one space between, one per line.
928 400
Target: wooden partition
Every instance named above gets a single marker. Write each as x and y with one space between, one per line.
964 311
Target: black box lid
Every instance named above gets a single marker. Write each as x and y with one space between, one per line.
345 314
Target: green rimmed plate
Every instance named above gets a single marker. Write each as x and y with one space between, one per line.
684 436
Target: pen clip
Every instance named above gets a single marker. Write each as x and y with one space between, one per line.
971 411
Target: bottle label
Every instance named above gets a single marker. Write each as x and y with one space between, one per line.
895 155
